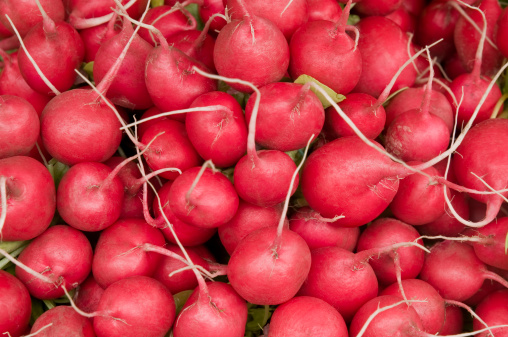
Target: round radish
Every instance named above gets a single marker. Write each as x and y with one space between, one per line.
15 304
63 321
168 21
25 14
493 310
491 250
329 10
88 294
502 29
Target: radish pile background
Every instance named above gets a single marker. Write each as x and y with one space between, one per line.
325 173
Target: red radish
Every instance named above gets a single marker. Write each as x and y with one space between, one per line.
12 83
93 37
183 280
414 7
412 98
288 16
203 197
117 255
406 21
221 313
15 305
57 49
209 8
377 7
25 14
382 37
248 218
502 29
85 13
340 280
128 88
19 128
88 295
384 232
251 43
491 249
494 311
62 254
28 198
320 232
467 38
220 136
136 306
171 148
299 317
196 44
454 321
188 235
455 271
323 50
385 315
154 111
296 109
454 67
329 10
90 196
487 288
168 20
431 312
63 321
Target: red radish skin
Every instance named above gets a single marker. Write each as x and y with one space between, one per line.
210 203
454 321
402 319
319 232
12 83
502 30
200 313
263 272
329 10
248 218
382 37
61 253
493 310
287 16
86 14
271 168
487 288
143 303
61 128
63 321
31 198
19 128
128 88
178 20
184 280
187 234
89 197
338 279
376 7
323 50
88 295
196 44
153 111
491 250
25 14
295 108
362 109
453 67
431 312
57 52
403 19
172 148
384 232
15 305
455 271
306 316
209 8
220 136
94 37
117 255
251 43
347 164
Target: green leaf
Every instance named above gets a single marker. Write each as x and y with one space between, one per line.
302 79
194 10
57 170
180 299
156 3
88 67
37 310
257 318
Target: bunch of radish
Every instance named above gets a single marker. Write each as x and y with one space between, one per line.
253 168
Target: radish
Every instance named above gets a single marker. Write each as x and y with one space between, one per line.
62 321
323 50
57 50
455 271
287 16
117 255
320 232
20 126
67 266
378 8
12 83
135 306
329 10
296 109
406 262
494 311
93 37
403 19
25 13
28 198
258 44
88 294
220 136
196 44
203 197
501 29
85 14
491 249
248 218
306 316
209 8
454 321
16 305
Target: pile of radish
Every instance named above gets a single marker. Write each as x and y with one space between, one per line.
230 168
